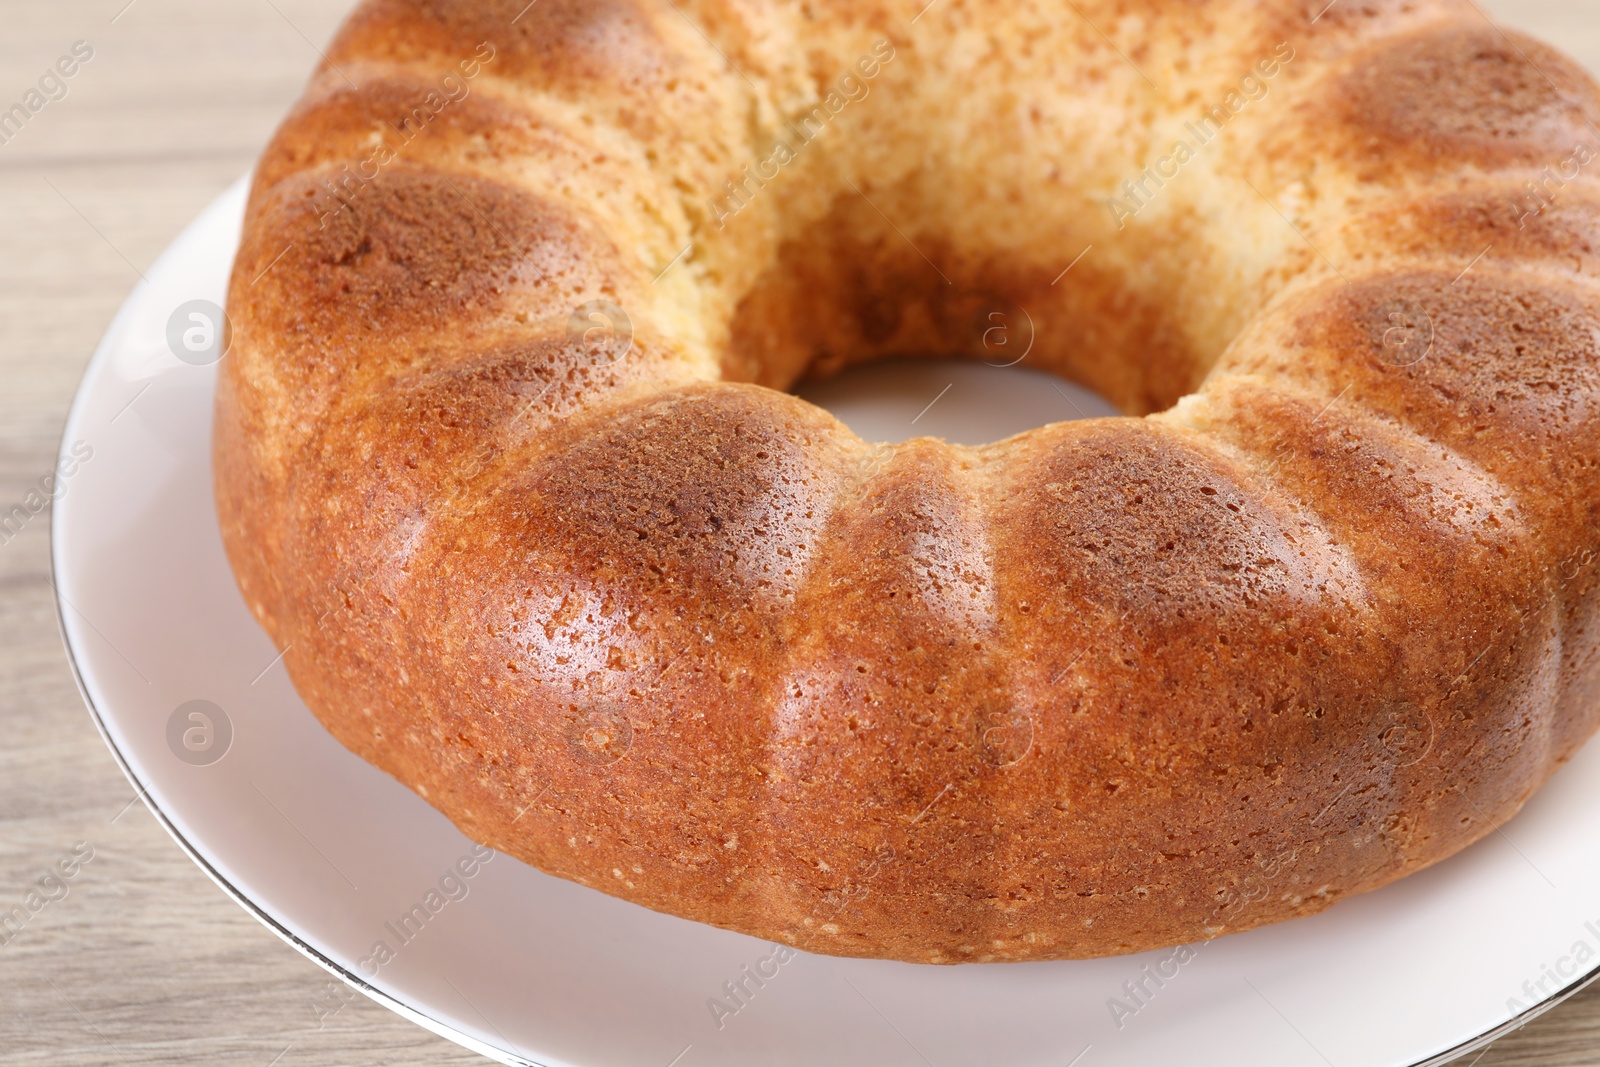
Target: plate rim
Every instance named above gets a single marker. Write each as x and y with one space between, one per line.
91 370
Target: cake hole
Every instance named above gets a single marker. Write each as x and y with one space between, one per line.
962 401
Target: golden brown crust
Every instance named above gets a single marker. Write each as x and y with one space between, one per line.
629 613
556 45
409 257
345 128
1460 93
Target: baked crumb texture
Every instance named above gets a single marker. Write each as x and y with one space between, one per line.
1320 611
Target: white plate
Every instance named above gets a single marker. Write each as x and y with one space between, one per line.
525 968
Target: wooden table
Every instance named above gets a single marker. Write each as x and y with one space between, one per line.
145 961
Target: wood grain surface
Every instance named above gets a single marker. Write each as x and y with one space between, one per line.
145 961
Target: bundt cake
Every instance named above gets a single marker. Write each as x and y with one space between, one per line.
506 465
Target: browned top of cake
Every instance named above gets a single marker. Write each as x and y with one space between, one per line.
504 461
